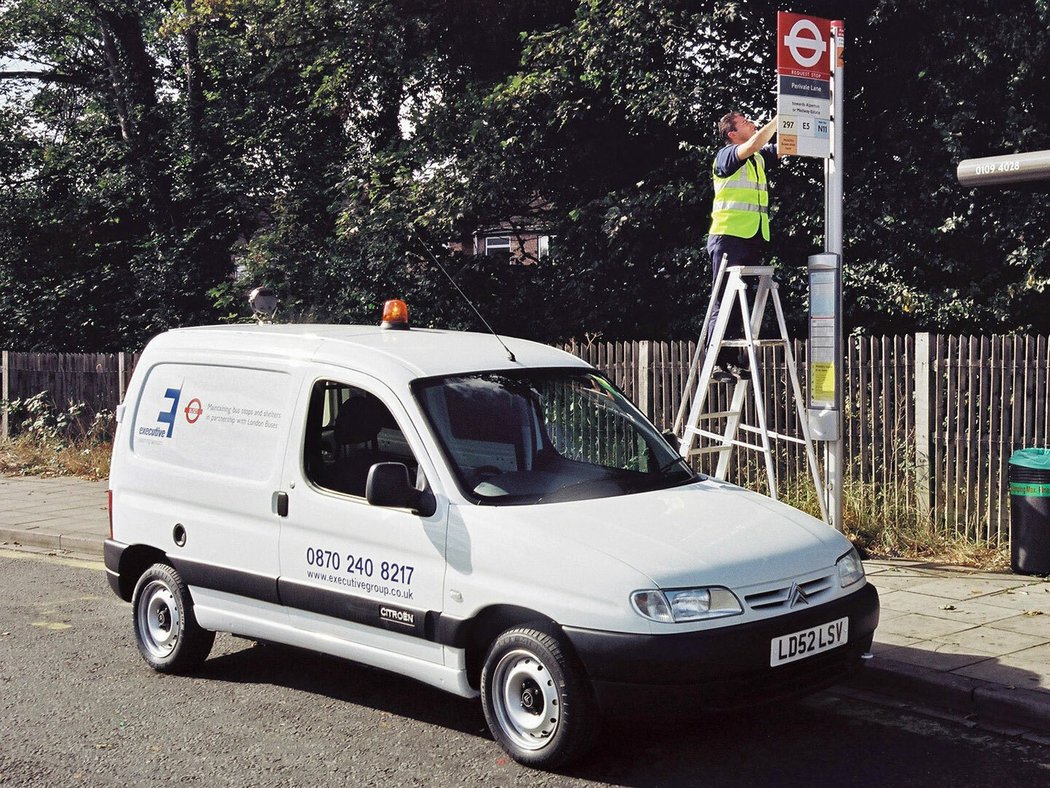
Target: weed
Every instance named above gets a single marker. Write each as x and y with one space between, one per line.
884 526
49 441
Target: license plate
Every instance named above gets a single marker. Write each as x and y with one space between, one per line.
807 642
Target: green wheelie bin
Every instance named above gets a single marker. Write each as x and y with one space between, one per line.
1029 477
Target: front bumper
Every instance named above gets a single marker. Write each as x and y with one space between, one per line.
722 668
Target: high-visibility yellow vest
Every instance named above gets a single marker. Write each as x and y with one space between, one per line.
741 205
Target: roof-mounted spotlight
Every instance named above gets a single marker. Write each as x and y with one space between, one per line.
263 302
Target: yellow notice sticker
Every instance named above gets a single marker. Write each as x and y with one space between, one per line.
822 387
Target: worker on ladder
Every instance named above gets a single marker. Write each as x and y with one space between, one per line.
739 233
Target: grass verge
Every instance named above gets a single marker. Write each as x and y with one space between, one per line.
881 526
28 456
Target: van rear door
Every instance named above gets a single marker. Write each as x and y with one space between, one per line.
206 445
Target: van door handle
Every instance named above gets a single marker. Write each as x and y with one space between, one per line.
281 503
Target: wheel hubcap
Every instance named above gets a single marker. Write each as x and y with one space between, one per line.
525 700
532 699
159 620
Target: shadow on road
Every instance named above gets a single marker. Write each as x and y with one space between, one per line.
826 739
341 680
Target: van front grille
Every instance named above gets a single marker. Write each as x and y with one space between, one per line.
787 596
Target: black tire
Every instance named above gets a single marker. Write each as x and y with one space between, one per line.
166 631
537 700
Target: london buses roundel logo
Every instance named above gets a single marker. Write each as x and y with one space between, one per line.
193 410
805 42
803 46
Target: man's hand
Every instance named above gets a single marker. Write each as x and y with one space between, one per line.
753 144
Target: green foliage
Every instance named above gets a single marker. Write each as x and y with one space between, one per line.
51 441
166 157
38 420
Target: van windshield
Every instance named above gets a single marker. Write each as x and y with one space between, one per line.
544 436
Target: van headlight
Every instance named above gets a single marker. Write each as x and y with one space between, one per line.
851 569
685 604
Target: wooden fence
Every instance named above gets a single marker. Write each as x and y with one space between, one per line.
98 380
929 422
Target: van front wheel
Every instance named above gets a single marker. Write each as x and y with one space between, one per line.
166 631
536 699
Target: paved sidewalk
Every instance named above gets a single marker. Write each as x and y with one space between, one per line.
64 513
975 644
971 644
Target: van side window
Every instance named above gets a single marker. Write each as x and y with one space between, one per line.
347 432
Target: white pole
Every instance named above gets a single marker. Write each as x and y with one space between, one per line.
833 244
5 395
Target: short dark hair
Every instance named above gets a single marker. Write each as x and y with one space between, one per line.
727 123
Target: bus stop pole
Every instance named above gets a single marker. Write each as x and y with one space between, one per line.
833 165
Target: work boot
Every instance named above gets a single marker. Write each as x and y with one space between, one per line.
722 374
736 372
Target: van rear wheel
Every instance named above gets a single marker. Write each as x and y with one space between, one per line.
536 699
166 631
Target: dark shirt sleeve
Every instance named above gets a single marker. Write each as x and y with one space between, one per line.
769 154
727 162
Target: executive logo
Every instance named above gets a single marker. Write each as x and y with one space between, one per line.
165 417
168 416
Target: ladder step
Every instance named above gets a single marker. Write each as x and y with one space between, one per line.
709 450
720 414
756 343
726 444
754 270
774 435
777 436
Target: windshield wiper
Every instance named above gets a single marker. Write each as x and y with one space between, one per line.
668 466
564 493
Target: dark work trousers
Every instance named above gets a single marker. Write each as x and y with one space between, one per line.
736 251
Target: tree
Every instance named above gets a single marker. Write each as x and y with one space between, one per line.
159 159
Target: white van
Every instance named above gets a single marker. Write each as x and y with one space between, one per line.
492 519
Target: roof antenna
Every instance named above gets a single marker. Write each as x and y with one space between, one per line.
510 355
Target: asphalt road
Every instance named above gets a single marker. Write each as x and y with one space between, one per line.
78 706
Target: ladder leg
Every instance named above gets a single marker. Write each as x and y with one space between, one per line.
765 284
736 410
760 405
688 436
702 347
803 420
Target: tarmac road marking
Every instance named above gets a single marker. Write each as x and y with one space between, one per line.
76 563
50 608
51 611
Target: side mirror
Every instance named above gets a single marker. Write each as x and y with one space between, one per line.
389 485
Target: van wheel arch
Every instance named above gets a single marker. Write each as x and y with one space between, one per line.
134 561
492 622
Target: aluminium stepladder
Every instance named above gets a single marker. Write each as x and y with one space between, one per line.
691 413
